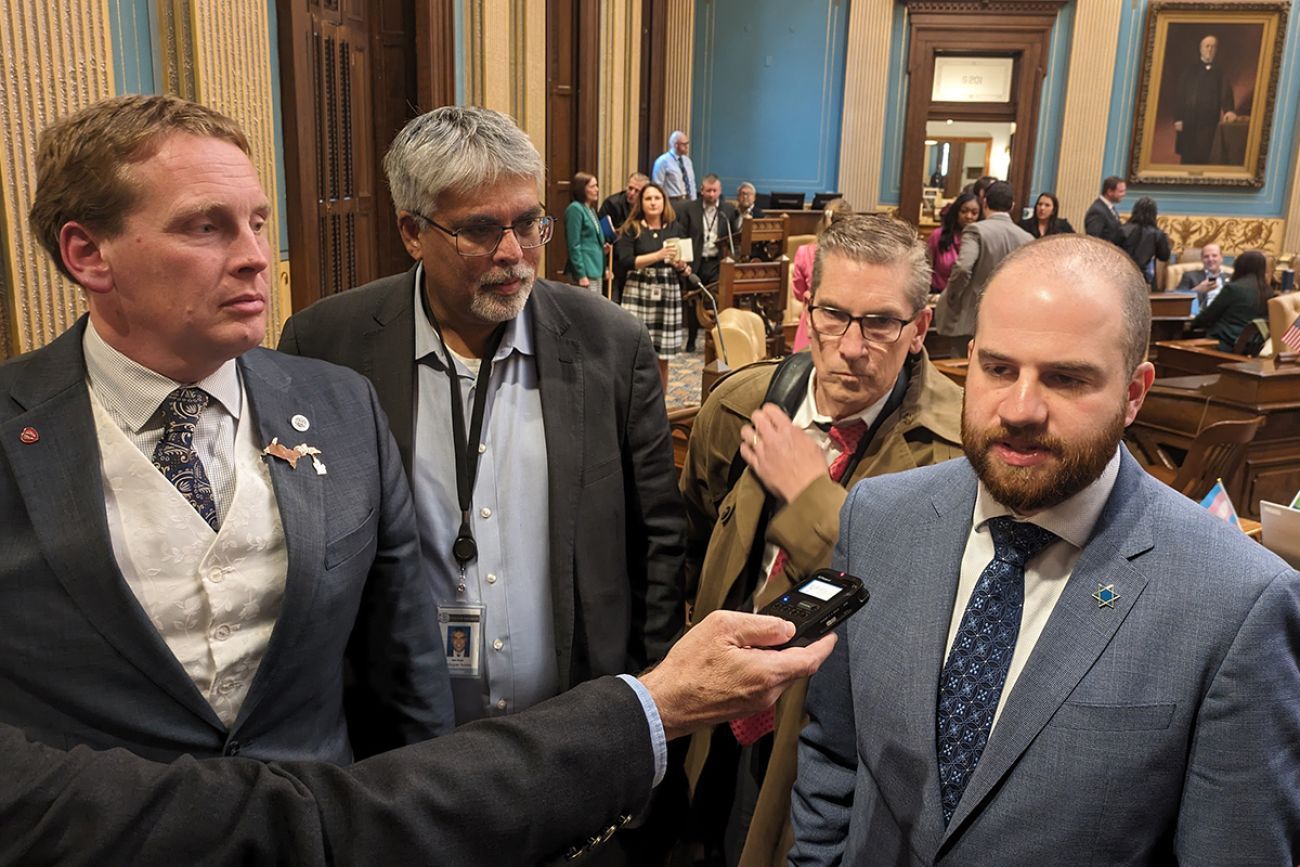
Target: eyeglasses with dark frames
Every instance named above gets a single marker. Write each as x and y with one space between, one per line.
833 322
483 240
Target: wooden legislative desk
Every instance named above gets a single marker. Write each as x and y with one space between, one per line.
1190 357
1172 303
1178 407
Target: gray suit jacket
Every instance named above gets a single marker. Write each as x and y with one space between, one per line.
1162 730
616 519
80 661
983 247
572 766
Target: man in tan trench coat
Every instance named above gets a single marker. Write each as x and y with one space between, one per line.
869 403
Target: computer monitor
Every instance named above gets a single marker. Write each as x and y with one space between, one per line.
821 200
785 201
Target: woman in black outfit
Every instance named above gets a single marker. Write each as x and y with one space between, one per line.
1242 300
652 292
1046 219
1144 241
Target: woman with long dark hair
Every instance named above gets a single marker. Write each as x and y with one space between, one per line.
944 243
1145 242
1242 300
646 249
1046 219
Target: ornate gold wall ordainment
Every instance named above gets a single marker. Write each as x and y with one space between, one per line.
620 92
57 59
225 50
679 63
866 92
1087 101
1234 234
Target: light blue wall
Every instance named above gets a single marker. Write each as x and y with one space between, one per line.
1270 201
1051 108
135 34
768 92
132 24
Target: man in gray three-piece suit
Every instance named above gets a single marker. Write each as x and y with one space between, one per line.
204 541
1063 661
983 247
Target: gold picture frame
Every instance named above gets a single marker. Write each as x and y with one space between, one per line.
1204 109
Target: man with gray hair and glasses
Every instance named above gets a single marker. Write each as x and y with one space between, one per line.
771 454
530 419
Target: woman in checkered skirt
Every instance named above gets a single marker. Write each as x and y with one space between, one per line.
652 292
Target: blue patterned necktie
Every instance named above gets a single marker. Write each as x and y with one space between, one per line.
174 455
977 666
686 181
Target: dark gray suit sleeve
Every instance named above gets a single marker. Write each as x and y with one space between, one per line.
506 791
399 691
656 542
1189 281
1241 796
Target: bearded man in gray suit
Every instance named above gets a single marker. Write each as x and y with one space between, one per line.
172 580
1063 661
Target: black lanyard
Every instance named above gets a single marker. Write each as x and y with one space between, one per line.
465 549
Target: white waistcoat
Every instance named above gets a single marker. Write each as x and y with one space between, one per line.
213 597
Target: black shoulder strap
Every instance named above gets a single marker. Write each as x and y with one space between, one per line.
788 386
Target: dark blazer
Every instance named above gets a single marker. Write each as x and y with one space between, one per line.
1192 279
1062 227
1157 731
616 207
617 527
80 661
504 791
1231 311
1102 222
691 219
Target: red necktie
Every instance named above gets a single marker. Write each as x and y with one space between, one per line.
846 438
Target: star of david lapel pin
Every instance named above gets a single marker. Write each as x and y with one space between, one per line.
1105 596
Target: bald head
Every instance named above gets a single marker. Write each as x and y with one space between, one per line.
1088 265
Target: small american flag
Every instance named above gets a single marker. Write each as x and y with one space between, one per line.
1291 337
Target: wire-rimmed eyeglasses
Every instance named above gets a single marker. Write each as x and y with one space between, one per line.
483 239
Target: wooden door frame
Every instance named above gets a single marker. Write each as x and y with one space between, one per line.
299 122
1019 28
433 41
654 82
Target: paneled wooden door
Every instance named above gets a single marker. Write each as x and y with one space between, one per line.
353 72
572 110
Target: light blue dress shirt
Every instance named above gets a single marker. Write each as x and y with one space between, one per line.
510 517
668 174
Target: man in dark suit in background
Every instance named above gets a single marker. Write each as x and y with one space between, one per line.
618 208
745 201
566 553
1205 99
619 205
1101 221
176 583
1209 279
713 227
